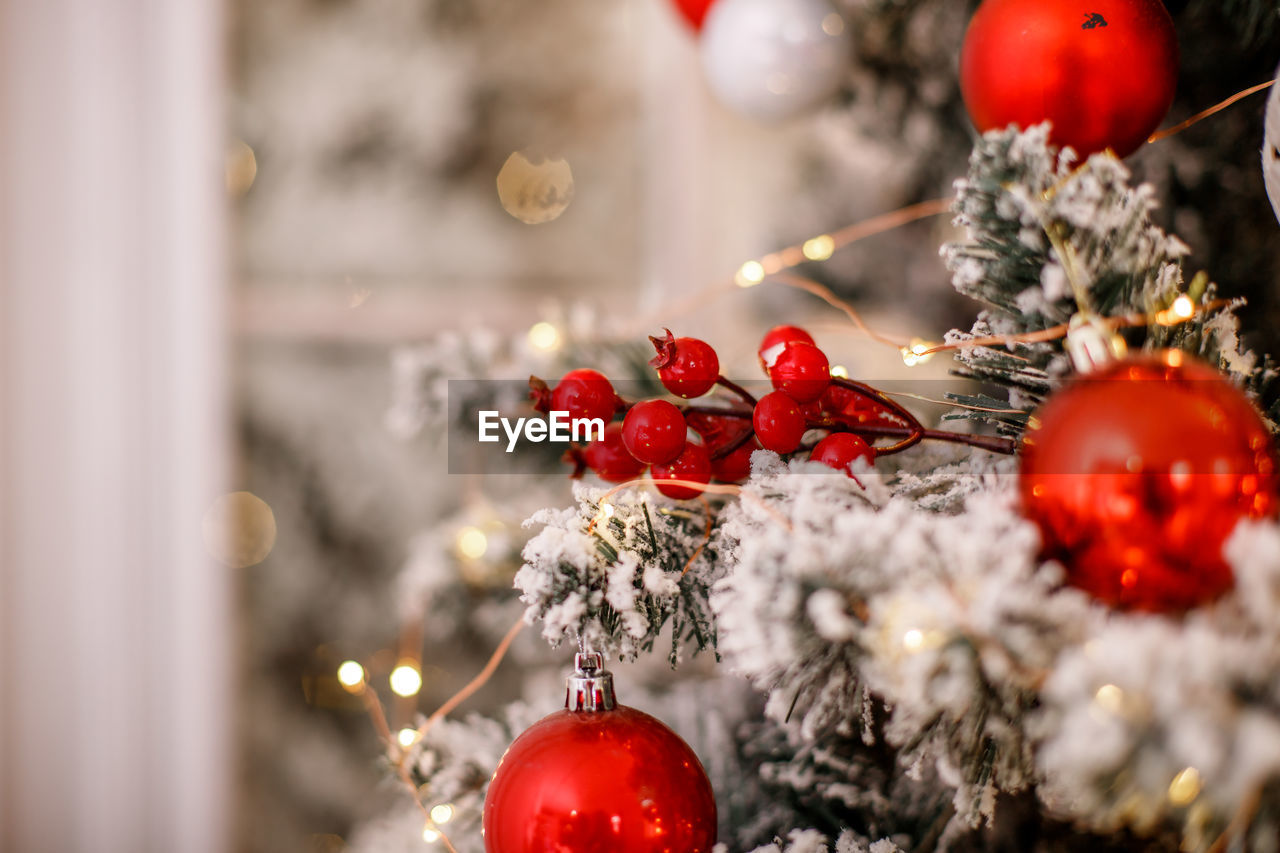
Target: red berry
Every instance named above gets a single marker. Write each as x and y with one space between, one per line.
851 407
801 370
654 431
776 337
836 398
864 411
736 466
688 367
693 463
717 430
841 448
585 393
778 421
812 411
609 458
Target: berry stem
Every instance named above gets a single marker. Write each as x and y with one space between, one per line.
913 438
722 452
915 431
719 411
995 444
737 389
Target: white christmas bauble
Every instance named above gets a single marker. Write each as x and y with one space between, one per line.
772 59
1271 148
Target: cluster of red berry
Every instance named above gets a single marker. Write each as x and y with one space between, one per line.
655 433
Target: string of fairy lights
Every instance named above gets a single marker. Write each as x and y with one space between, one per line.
405 681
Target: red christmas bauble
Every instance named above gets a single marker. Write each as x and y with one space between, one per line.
614 780
694 11
1103 71
1137 473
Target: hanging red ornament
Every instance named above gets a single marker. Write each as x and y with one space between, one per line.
1103 71
599 776
694 11
1137 473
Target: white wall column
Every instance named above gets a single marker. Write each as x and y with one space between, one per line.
114 644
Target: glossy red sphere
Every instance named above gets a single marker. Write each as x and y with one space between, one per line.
585 393
1137 474
693 464
688 367
654 431
599 782
840 449
717 430
610 459
801 371
1103 71
855 409
778 422
776 336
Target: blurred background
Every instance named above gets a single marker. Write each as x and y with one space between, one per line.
372 140
243 243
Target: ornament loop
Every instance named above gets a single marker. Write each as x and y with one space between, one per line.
590 688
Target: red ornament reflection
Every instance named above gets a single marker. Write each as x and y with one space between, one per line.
1138 473
1103 71
616 781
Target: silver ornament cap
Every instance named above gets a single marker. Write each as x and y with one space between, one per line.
1091 344
590 688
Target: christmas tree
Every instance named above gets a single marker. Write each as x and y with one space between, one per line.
957 632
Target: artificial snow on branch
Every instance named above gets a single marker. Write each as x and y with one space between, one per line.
1046 239
1155 721
613 570
450 767
861 597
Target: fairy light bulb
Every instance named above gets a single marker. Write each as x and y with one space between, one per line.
406 680
749 274
441 813
1110 698
819 248
544 337
916 352
406 737
351 675
604 513
1185 787
472 543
